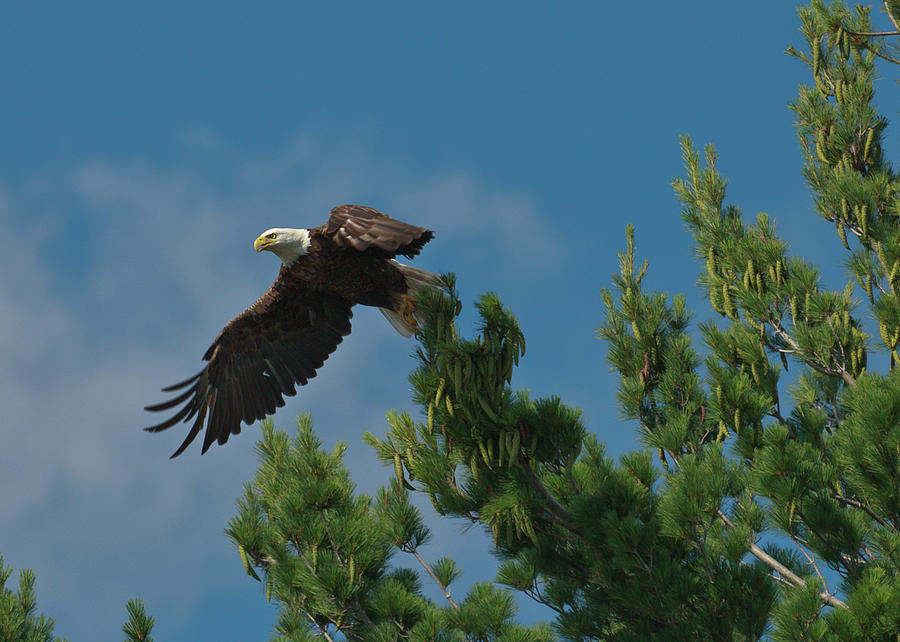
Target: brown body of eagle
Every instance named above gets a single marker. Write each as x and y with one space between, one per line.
287 334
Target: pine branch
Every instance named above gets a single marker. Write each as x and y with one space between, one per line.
777 578
884 56
887 10
139 624
780 568
359 607
563 516
811 560
535 594
701 543
872 34
812 363
321 629
864 507
430 571
312 571
334 547
770 561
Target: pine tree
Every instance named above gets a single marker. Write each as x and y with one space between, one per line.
18 620
139 624
767 502
324 554
19 623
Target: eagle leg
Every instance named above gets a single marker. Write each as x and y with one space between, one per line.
407 312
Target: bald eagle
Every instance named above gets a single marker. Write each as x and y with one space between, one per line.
287 334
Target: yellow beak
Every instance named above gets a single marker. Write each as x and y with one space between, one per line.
261 243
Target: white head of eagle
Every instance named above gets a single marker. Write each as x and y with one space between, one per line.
286 242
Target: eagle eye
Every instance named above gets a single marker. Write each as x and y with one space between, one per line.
273 235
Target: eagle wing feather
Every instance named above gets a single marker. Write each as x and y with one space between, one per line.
257 359
363 228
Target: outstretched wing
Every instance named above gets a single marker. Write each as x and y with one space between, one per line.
279 341
362 228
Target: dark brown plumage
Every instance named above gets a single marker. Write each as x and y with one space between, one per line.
287 334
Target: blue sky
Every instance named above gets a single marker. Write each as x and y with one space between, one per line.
144 150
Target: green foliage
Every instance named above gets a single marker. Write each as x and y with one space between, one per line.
841 136
577 532
139 624
19 623
325 554
824 476
18 619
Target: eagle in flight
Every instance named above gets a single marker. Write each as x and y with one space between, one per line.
287 334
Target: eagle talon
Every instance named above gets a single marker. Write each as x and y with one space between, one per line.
407 312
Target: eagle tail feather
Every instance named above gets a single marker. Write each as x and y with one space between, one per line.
419 279
416 280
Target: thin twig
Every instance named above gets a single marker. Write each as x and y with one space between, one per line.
312 572
867 554
640 559
556 509
887 10
306 562
701 542
429 570
811 560
572 484
864 507
872 34
362 612
883 56
787 338
331 541
535 594
321 628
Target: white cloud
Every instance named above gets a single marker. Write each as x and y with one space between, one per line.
161 260
24 279
466 211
